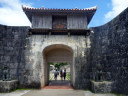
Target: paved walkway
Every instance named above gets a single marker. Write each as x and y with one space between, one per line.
15 93
55 88
63 92
53 92
58 84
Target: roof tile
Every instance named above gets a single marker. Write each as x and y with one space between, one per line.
93 8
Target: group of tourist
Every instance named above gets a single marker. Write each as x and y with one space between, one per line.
62 74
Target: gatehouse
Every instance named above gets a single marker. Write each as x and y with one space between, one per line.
57 35
96 56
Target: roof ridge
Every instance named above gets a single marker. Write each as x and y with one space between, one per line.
84 9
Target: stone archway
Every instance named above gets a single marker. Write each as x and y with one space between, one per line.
56 53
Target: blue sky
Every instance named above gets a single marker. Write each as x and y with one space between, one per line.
103 7
12 14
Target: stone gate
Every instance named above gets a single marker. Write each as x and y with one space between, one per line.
61 35
57 35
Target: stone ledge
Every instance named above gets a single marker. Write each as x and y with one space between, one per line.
101 87
7 86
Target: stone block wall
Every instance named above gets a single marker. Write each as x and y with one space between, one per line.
101 87
83 68
23 54
35 59
8 86
109 47
12 42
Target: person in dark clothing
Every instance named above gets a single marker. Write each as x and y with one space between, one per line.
64 74
61 74
55 74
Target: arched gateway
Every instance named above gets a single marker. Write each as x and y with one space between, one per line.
56 53
57 35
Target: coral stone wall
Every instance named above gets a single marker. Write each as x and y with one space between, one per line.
23 55
12 42
109 47
35 62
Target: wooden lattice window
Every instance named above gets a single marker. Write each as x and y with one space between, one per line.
59 22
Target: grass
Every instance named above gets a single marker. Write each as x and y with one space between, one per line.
51 77
22 89
120 94
68 76
117 94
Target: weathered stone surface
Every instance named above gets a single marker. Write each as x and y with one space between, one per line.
35 57
12 44
101 87
110 49
7 86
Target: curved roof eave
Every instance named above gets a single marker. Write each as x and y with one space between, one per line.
89 12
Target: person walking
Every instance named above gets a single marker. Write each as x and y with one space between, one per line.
55 74
64 74
61 74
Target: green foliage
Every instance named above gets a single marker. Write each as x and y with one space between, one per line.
92 80
68 76
116 27
117 94
58 65
2 68
22 89
98 57
52 63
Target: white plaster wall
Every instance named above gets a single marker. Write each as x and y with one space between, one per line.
37 43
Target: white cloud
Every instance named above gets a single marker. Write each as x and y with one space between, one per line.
11 13
118 7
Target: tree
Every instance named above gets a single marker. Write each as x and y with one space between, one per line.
58 65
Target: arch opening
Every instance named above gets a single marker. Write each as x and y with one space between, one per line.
54 55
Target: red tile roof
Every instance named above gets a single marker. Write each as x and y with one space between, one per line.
55 9
89 12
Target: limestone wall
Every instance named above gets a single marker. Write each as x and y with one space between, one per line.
109 47
12 42
23 54
35 59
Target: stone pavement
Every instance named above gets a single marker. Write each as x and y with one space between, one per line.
55 88
15 93
88 93
53 92
58 84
